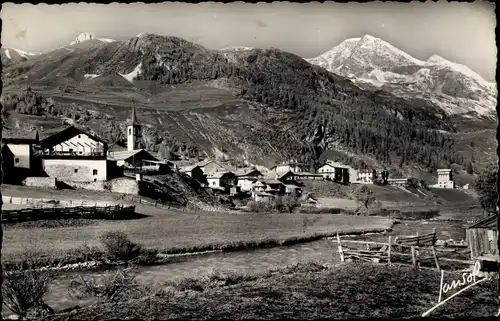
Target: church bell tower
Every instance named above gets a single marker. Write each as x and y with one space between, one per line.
134 132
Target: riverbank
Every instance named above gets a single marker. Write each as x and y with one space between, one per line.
304 291
94 257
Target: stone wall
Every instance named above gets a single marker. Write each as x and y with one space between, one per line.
45 182
76 170
121 185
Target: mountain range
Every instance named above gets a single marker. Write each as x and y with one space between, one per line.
375 64
259 106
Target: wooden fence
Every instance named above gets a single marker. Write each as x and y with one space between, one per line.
49 213
417 250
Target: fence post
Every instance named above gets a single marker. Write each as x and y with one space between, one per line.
413 259
389 251
341 252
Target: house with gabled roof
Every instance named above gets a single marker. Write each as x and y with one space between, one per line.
22 147
74 155
247 177
224 180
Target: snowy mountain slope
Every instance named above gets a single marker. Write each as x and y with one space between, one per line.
84 36
374 64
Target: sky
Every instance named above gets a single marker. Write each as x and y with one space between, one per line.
460 32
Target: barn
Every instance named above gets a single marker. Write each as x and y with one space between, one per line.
482 239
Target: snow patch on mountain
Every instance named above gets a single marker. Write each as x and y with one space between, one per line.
437 60
133 74
7 53
91 76
84 36
23 53
237 48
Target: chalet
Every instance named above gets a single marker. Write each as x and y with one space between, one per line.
402 182
223 180
74 155
132 159
335 172
195 172
22 148
292 176
291 189
445 179
291 166
482 239
366 176
274 186
160 166
211 167
247 177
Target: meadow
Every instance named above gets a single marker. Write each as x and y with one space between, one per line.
303 291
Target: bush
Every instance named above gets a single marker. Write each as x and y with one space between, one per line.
119 247
115 287
287 203
259 207
24 287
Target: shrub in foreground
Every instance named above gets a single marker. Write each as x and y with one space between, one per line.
119 247
25 285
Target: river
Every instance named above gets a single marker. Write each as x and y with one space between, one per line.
254 260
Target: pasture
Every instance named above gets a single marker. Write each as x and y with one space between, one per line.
171 231
303 291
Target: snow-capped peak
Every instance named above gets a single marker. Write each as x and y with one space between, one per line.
84 36
438 60
24 54
237 48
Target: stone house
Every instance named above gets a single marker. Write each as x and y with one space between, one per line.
74 155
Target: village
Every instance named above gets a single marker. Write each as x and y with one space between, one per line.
83 160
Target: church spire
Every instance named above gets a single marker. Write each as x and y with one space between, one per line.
133 120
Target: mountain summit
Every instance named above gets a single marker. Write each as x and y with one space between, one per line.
85 36
373 63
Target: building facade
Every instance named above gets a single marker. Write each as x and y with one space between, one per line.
292 166
445 179
246 178
74 155
336 172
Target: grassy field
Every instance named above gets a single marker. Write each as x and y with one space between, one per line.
170 230
304 291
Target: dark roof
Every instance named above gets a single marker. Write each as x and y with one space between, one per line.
66 134
489 223
133 118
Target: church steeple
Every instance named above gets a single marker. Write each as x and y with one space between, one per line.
134 132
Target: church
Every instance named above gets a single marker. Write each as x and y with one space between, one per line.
133 157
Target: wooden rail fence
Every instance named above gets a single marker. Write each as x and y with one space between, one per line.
401 250
48 213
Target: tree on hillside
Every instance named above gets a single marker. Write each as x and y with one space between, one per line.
486 185
365 196
469 168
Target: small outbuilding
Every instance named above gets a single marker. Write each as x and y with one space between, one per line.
482 239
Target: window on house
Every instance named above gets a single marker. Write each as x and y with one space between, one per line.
94 172
80 152
130 131
95 179
79 136
16 160
71 150
76 170
213 183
